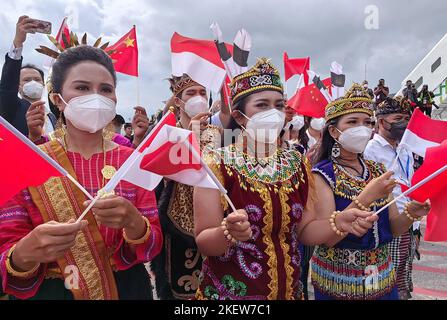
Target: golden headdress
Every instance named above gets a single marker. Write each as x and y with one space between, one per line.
72 42
262 76
356 99
178 84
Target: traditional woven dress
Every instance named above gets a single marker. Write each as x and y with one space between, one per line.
274 192
109 268
355 268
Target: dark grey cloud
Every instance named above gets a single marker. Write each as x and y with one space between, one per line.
324 30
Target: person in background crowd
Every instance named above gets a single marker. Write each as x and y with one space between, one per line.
393 116
369 90
118 123
24 80
410 93
128 131
425 99
380 92
178 266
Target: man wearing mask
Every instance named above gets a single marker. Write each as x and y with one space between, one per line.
369 90
392 117
26 80
426 102
381 92
177 268
411 93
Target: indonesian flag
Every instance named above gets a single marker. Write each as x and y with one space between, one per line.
296 66
125 53
435 190
422 133
128 170
175 155
22 163
64 31
309 100
199 59
163 153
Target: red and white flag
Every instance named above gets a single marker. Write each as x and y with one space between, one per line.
199 59
296 66
422 133
22 163
127 171
435 190
164 153
175 155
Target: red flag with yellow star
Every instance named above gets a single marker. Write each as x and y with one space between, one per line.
309 101
125 54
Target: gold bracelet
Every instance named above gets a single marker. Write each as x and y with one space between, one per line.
334 227
144 238
360 205
409 216
15 273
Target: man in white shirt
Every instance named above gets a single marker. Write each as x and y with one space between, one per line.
392 119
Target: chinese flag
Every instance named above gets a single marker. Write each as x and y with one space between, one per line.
296 66
125 54
309 101
22 164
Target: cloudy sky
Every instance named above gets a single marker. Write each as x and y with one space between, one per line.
324 30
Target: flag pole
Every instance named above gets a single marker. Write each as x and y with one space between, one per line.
88 208
138 91
416 186
211 174
77 184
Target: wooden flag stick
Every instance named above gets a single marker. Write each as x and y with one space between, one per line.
77 184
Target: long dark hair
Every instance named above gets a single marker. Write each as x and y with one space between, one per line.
233 125
326 143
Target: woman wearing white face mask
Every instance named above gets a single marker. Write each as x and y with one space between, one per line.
345 180
253 253
294 134
121 232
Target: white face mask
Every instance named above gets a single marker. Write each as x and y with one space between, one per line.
195 105
297 122
355 139
90 113
317 123
33 89
265 127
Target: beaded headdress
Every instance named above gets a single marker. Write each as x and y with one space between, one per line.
356 99
262 76
394 105
178 84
